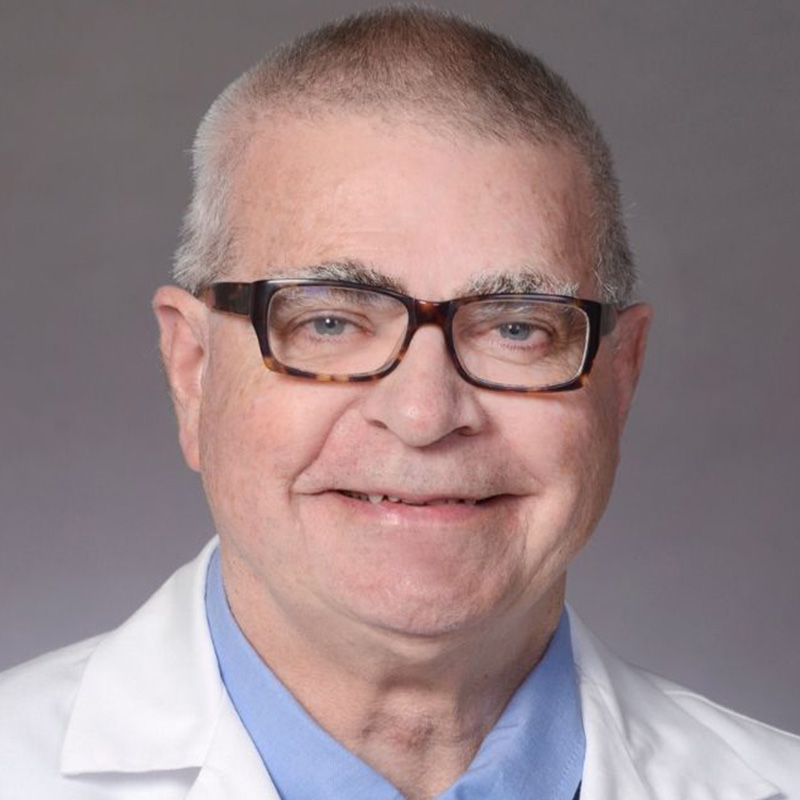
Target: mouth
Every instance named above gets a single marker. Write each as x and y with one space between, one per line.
377 499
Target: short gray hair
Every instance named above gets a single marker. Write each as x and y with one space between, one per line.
427 65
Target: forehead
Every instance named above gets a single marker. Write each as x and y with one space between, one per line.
432 211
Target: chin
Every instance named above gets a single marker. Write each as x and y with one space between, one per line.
426 624
422 611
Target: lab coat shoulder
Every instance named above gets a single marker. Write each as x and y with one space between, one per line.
776 751
134 714
651 738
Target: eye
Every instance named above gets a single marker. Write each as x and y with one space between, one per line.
516 331
329 326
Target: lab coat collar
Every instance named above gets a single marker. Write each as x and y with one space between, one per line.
641 744
151 695
152 701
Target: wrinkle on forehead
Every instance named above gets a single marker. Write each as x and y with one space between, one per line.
359 202
525 279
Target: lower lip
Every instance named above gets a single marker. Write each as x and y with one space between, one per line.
400 513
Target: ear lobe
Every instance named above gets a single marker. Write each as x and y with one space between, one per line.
182 322
629 341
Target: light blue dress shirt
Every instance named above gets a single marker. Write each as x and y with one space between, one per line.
534 752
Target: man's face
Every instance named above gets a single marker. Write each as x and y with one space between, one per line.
281 457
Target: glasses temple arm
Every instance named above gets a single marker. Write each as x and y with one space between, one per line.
608 318
236 298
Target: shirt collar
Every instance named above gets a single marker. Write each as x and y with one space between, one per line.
536 749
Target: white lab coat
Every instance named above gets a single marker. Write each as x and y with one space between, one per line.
142 713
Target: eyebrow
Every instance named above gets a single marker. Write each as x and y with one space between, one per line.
351 270
525 280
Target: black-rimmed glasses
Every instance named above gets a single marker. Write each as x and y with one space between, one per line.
340 331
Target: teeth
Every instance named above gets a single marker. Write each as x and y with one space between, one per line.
375 499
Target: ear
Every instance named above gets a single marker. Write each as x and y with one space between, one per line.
183 324
629 341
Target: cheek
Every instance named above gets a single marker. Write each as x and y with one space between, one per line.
548 436
568 447
259 430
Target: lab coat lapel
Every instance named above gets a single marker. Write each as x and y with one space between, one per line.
233 768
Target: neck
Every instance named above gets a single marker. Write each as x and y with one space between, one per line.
415 708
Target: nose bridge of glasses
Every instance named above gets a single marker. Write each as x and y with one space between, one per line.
431 312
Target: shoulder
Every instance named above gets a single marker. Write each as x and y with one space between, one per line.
35 703
46 684
142 698
774 752
671 739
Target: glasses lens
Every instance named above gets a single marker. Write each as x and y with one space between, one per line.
335 330
527 344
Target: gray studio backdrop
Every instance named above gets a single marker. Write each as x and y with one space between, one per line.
694 570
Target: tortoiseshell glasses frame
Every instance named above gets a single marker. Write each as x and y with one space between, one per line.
253 300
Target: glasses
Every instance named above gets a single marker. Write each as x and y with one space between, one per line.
339 331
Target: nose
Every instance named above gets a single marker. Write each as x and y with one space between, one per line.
424 399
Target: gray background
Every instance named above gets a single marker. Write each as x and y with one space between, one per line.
694 570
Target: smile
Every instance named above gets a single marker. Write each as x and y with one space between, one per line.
375 499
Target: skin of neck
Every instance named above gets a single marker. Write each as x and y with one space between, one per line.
416 709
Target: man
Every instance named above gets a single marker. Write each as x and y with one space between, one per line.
401 352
